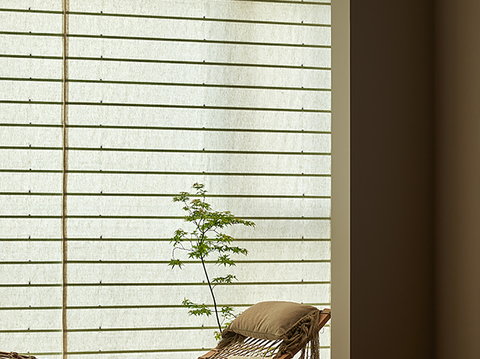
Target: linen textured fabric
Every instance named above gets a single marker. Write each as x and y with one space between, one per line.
293 323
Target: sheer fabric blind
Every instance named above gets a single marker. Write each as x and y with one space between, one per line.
109 108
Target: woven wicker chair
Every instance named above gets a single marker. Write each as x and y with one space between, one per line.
14 355
255 347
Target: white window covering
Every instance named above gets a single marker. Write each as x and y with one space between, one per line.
161 94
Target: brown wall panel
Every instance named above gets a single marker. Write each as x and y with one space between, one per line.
457 270
392 182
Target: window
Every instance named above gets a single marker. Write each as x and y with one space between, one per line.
143 101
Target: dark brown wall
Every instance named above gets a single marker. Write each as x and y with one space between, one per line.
392 179
415 179
457 270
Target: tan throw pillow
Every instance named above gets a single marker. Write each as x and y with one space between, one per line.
293 323
270 320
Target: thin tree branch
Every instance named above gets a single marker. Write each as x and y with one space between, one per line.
213 295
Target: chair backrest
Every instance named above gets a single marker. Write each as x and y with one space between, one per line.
254 347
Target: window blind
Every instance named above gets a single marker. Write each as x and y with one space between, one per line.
143 99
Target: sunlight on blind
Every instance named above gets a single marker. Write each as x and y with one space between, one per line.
161 94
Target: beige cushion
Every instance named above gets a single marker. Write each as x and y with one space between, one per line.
270 320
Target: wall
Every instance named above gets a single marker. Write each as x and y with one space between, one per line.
341 172
392 179
415 178
457 270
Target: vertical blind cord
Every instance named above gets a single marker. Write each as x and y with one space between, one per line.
65 7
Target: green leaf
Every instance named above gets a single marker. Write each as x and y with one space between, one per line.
227 313
222 280
179 236
182 197
222 237
238 250
196 309
199 250
176 263
225 260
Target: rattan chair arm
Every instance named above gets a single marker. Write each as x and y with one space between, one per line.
15 355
